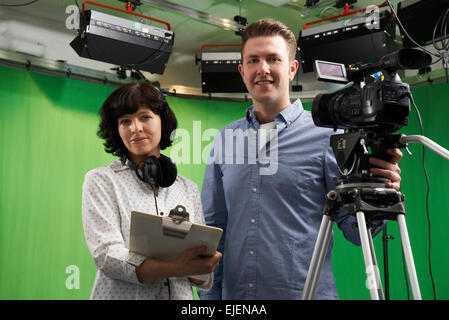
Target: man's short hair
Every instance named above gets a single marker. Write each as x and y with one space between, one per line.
126 100
270 27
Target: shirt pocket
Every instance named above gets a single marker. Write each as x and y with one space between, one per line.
288 183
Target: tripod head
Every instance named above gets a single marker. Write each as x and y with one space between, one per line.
353 149
357 189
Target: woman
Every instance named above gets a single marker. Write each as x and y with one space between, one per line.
136 123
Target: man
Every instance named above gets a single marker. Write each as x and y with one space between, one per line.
270 205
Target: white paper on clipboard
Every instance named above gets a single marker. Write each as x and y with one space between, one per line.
147 237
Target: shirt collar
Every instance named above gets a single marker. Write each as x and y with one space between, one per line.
288 115
118 165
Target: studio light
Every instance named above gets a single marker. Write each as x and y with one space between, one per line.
219 70
123 42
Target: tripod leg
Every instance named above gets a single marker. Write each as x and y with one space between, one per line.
409 257
367 255
385 239
319 253
375 268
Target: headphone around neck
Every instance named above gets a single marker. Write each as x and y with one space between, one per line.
158 172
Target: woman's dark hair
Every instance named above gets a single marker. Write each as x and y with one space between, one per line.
126 100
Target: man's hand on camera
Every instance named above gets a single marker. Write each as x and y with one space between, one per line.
389 169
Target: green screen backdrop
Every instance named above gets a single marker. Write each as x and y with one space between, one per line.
48 142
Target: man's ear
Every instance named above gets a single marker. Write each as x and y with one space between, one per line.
293 69
241 69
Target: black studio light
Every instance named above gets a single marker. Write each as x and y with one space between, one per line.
123 42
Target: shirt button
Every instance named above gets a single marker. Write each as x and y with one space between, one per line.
251 252
255 131
253 220
254 189
251 285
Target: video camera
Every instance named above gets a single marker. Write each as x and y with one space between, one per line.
376 98
371 107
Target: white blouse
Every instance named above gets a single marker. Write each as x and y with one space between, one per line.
110 193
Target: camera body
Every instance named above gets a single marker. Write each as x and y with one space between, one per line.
374 97
377 104
370 108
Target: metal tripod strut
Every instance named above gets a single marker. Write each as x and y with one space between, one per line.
365 201
372 271
319 253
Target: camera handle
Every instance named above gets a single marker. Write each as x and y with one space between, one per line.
426 142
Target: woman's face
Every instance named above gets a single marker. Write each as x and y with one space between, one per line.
140 133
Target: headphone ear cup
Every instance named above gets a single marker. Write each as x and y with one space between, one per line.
158 172
152 171
169 171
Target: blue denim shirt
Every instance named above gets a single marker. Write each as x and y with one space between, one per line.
269 204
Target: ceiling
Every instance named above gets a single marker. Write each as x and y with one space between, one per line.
44 23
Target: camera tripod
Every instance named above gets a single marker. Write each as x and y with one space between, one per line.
368 200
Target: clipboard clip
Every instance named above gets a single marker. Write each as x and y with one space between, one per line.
177 223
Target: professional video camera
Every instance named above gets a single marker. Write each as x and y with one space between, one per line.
370 108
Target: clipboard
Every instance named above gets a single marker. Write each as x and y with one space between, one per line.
167 238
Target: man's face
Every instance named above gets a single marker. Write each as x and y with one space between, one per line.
267 70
